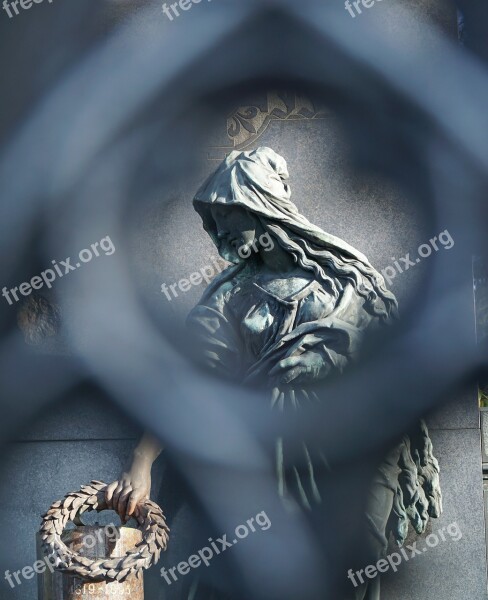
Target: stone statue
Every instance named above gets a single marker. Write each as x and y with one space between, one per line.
291 310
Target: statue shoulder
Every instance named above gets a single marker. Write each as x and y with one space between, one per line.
223 288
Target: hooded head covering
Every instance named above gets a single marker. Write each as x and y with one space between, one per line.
257 182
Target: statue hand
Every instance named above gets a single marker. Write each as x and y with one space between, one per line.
126 493
309 366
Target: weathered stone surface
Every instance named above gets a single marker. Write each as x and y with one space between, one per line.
93 543
460 411
484 434
83 416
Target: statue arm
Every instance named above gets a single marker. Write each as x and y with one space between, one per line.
313 358
316 349
310 353
134 484
216 335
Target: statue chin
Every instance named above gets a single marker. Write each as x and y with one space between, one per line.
228 253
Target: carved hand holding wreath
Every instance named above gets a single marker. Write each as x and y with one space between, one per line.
151 521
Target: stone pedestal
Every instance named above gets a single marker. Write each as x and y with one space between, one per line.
94 543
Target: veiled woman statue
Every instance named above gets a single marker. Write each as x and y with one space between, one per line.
291 310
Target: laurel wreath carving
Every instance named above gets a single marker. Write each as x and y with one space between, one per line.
151 522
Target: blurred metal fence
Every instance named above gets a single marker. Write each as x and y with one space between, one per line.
88 137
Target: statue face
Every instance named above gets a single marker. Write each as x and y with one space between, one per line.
236 230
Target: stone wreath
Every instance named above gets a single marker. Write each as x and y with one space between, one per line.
151 522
